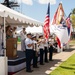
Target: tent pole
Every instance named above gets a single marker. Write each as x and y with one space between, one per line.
5 45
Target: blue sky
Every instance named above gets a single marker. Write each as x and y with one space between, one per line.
38 11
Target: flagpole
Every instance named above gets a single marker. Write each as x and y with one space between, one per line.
49 23
49 31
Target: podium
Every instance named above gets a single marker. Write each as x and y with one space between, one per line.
11 47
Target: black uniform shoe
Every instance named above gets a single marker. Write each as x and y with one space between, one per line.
51 60
29 71
41 64
46 61
35 67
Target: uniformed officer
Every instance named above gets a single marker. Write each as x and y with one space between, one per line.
23 37
46 50
29 52
51 49
55 44
41 47
35 53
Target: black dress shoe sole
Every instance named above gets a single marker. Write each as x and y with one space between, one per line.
35 67
30 71
42 64
46 61
51 60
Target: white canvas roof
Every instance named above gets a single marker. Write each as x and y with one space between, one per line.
16 18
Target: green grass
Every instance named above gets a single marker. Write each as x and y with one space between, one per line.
66 68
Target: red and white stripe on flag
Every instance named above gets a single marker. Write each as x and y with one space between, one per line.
46 29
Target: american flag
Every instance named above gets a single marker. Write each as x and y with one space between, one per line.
46 23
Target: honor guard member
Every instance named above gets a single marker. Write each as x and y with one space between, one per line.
46 50
41 47
56 45
23 37
35 52
29 52
51 48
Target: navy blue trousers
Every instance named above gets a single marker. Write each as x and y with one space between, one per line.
51 52
29 57
46 52
41 56
35 59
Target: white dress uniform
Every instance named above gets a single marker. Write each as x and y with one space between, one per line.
14 34
51 49
51 41
35 54
28 41
35 45
23 37
41 47
29 54
46 44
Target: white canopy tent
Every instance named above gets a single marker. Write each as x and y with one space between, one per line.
34 29
14 18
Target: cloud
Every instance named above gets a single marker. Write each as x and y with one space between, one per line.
28 2
47 1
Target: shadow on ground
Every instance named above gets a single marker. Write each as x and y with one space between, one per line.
72 64
69 50
67 68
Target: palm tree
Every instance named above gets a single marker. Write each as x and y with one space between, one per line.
10 4
73 11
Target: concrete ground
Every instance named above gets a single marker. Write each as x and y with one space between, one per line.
49 67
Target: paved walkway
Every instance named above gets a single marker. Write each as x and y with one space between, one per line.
49 67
